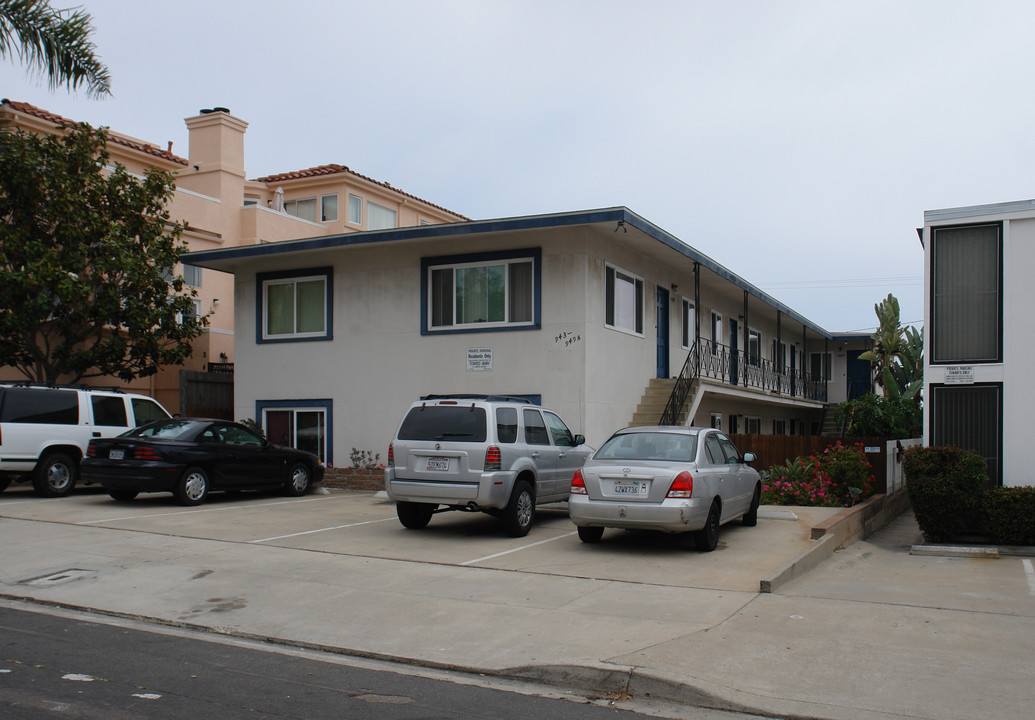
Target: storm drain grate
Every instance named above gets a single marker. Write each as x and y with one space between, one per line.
58 578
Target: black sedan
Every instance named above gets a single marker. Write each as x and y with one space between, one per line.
191 456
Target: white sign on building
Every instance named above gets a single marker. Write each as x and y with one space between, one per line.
479 359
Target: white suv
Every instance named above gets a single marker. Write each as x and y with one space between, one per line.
499 455
44 430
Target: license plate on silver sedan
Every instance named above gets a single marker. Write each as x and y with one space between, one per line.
623 487
116 454
438 463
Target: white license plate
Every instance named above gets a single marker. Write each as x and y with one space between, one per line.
438 463
116 454
630 488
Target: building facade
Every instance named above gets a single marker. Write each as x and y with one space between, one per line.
599 314
978 295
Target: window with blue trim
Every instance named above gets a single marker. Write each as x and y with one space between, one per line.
301 424
295 306
481 292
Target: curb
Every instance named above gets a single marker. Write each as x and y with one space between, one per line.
595 681
852 524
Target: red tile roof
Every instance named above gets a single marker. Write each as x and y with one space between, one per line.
59 121
334 169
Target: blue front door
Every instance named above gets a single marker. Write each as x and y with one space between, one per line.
662 316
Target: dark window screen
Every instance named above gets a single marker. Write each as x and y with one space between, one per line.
457 423
33 405
970 417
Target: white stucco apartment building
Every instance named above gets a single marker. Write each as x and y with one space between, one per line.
593 313
979 295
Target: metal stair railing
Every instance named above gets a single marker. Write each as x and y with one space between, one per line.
681 390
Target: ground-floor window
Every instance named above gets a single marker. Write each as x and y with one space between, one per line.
753 425
717 421
299 424
779 427
970 417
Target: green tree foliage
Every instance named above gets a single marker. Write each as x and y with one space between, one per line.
53 43
86 254
875 416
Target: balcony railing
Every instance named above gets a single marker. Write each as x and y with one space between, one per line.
737 367
716 361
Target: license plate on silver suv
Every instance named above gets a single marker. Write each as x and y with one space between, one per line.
438 463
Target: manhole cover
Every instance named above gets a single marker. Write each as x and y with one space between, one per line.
57 578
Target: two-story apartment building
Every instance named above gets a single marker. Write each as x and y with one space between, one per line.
977 311
222 208
599 314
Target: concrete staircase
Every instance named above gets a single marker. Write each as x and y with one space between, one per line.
830 426
652 404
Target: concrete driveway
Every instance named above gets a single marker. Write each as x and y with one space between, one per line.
365 525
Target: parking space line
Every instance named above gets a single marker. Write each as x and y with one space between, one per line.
514 550
1029 570
195 510
310 532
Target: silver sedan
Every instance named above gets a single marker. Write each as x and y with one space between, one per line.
670 479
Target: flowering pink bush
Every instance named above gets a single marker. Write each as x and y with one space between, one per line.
839 477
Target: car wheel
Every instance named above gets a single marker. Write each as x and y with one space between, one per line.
55 475
519 515
414 515
192 488
750 518
707 538
299 480
591 534
123 495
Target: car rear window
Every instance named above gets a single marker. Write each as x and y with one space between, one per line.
459 423
649 446
36 405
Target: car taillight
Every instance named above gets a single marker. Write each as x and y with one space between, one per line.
391 455
145 453
493 458
91 450
578 485
682 486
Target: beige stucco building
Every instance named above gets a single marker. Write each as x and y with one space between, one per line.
222 208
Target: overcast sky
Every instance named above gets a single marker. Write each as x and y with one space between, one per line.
797 143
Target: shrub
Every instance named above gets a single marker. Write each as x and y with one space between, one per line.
875 416
365 459
839 477
946 486
1009 515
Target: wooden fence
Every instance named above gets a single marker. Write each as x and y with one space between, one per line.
780 449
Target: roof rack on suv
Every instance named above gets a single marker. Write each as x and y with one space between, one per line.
475 396
58 386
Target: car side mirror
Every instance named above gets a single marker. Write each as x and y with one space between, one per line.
749 457
580 440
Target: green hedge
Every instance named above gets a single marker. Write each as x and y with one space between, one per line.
946 487
1009 515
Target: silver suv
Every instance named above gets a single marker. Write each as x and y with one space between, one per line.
44 430
499 455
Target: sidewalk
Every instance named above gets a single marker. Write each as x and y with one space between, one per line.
873 632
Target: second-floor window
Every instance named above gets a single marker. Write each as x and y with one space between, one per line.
485 293
624 300
295 307
379 217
